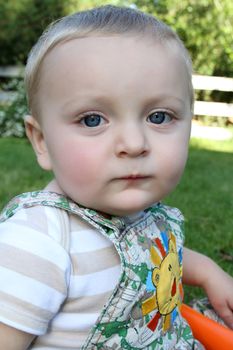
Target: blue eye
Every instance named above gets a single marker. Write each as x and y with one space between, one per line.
91 120
159 117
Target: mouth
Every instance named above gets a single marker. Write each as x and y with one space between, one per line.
135 177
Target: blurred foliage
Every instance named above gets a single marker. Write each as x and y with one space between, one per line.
13 112
21 23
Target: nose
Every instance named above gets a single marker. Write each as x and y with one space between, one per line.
132 141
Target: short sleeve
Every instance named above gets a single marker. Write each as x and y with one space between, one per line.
34 269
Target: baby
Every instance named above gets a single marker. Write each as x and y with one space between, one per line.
94 260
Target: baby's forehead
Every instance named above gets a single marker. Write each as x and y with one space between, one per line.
90 49
108 41
85 64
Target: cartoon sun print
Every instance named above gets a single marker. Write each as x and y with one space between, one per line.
164 281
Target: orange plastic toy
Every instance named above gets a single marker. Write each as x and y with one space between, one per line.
212 335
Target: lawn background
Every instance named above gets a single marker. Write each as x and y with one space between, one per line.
204 195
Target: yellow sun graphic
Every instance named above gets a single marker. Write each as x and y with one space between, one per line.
165 279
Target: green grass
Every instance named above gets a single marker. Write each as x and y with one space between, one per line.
204 195
19 171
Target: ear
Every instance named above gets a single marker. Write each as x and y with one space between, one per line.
172 248
36 137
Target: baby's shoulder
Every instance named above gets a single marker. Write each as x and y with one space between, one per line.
20 217
42 213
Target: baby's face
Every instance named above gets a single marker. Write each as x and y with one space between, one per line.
115 117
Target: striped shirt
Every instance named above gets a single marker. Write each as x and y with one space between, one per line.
56 274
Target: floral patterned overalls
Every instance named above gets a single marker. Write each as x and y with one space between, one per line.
143 311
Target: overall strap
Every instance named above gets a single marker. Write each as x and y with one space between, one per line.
53 199
109 227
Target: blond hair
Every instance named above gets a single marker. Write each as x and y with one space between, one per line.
104 20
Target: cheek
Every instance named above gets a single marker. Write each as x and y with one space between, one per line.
78 165
174 158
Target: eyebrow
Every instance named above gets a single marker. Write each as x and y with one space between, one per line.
84 99
157 100
165 99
